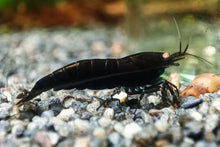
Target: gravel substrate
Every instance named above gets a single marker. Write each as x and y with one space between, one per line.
71 118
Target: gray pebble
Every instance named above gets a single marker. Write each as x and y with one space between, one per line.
47 114
114 139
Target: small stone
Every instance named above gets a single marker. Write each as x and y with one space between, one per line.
187 142
147 118
47 114
154 99
193 129
99 133
104 122
93 106
86 115
81 142
115 139
109 113
42 138
161 143
81 125
5 109
196 116
131 130
203 108
43 105
66 143
55 105
60 126
215 106
119 128
67 102
161 125
66 114
122 96
154 112
54 138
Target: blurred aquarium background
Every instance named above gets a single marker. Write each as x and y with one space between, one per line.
140 25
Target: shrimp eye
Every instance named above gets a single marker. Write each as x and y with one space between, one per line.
165 55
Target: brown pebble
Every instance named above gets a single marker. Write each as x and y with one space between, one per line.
42 138
154 112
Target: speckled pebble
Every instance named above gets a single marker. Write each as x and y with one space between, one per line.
93 106
66 114
47 114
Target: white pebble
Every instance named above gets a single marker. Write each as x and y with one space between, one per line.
99 133
109 113
131 130
65 114
104 122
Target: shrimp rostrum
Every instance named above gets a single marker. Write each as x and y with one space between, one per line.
135 70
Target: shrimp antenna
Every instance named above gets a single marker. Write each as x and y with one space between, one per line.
178 31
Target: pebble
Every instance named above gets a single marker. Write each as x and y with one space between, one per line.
115 139
190 102
81 125
93 107
215 106
5 109
54 138
131 130
109 113
42 138
66 114
47 114
104 122
82 142
99 133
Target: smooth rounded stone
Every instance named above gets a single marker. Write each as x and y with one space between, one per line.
99 133
43 105
86 115
119 127
37 123
43 139
81 125
66 114
55 105
193 129
161 125
5 109
196 116
114 139
93 106
4 125
203 143
66 143
154 112
60 126
215 106
18 130
187 142
146 118
131 130
54 138
47 114
211 122
104 122
82 142
93 121
109 113
177 134
203 108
